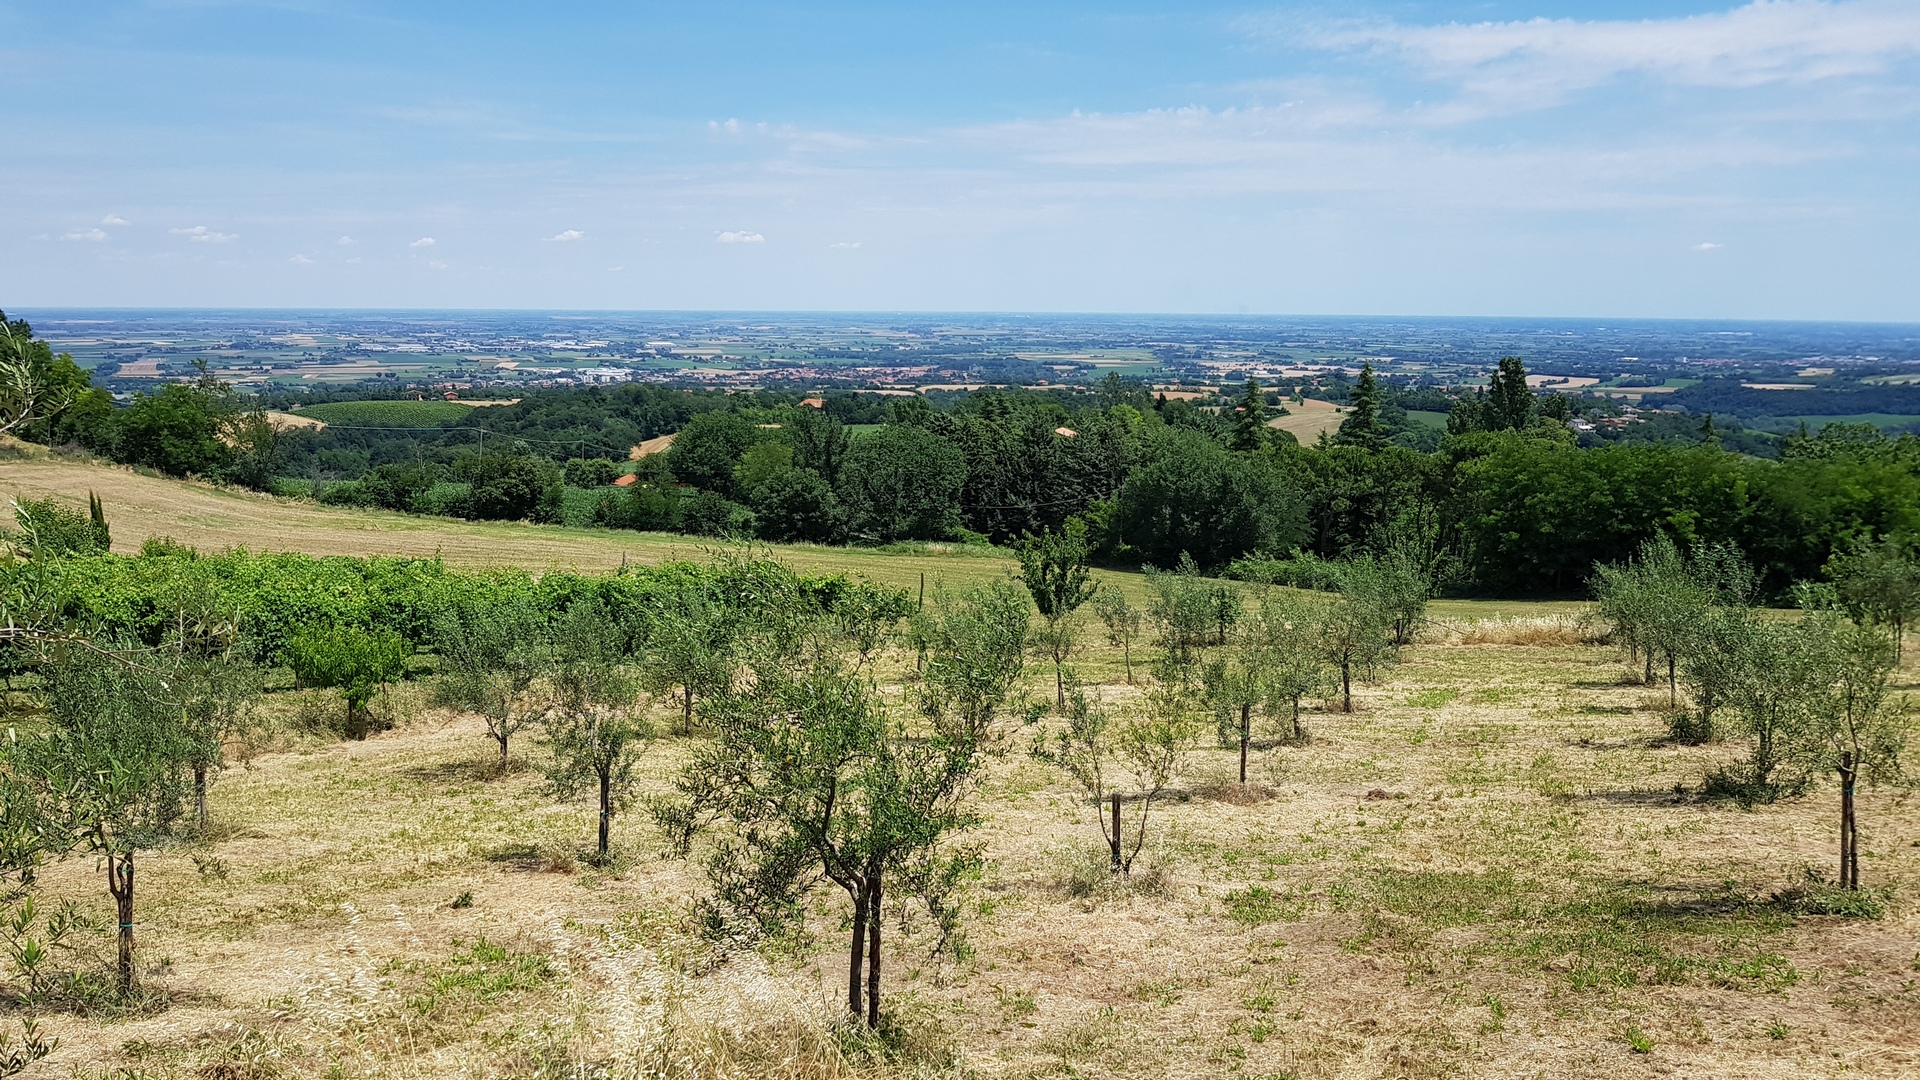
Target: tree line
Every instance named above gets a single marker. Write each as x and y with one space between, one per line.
1509 503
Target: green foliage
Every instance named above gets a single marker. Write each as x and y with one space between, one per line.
509 487
1878 583
796 506
815 780
1190 612
358 662
49 529
706 451
1250 420
590 472
902 483
1121 619
1194 497
388 413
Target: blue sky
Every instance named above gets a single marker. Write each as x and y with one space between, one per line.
1687 160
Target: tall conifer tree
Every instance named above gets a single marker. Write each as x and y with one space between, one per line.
1362 427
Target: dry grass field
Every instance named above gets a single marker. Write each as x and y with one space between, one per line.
1309 418
1495 867
214 518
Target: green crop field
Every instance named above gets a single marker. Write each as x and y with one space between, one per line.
387 413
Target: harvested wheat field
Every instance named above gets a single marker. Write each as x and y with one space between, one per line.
215 518
1494 867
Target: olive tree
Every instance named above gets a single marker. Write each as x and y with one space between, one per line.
591 725
493 652
1858 729
1273 660
687 648
1356 630
1053 567
110 769
815 780
1122 621
1879 583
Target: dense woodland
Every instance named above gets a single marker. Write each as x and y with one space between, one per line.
1506 501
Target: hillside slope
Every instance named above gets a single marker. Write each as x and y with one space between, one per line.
214 518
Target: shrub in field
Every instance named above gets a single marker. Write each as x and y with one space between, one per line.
359 663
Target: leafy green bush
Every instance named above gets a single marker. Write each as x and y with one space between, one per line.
357 662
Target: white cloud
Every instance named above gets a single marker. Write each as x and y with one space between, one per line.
200 234
1530 64
301 260
741 237
87 236
344 241
615 269
568 236
1708 246
425 241
114 219
437 264
731 127
844 245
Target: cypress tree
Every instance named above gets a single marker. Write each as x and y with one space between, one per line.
1362 426
1250 429
1510 404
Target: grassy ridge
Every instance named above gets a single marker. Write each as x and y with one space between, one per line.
387 413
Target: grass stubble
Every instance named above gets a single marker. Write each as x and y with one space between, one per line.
1493 868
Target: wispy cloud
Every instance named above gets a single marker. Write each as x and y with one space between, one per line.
200 234
423 242
566 237
345 241
114 219
844 245
1708 246
741 237
86 236
1537 62
301 260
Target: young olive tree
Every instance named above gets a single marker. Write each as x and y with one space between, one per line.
110 768
1859 730
207 666
1053 567
1273 659
1879 584
1189 611
1784 674
815 782
1122 621
590 722
1082 749
688 648
1150 744
493 652
1356 633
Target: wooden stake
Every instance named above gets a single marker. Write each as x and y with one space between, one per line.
1114 841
